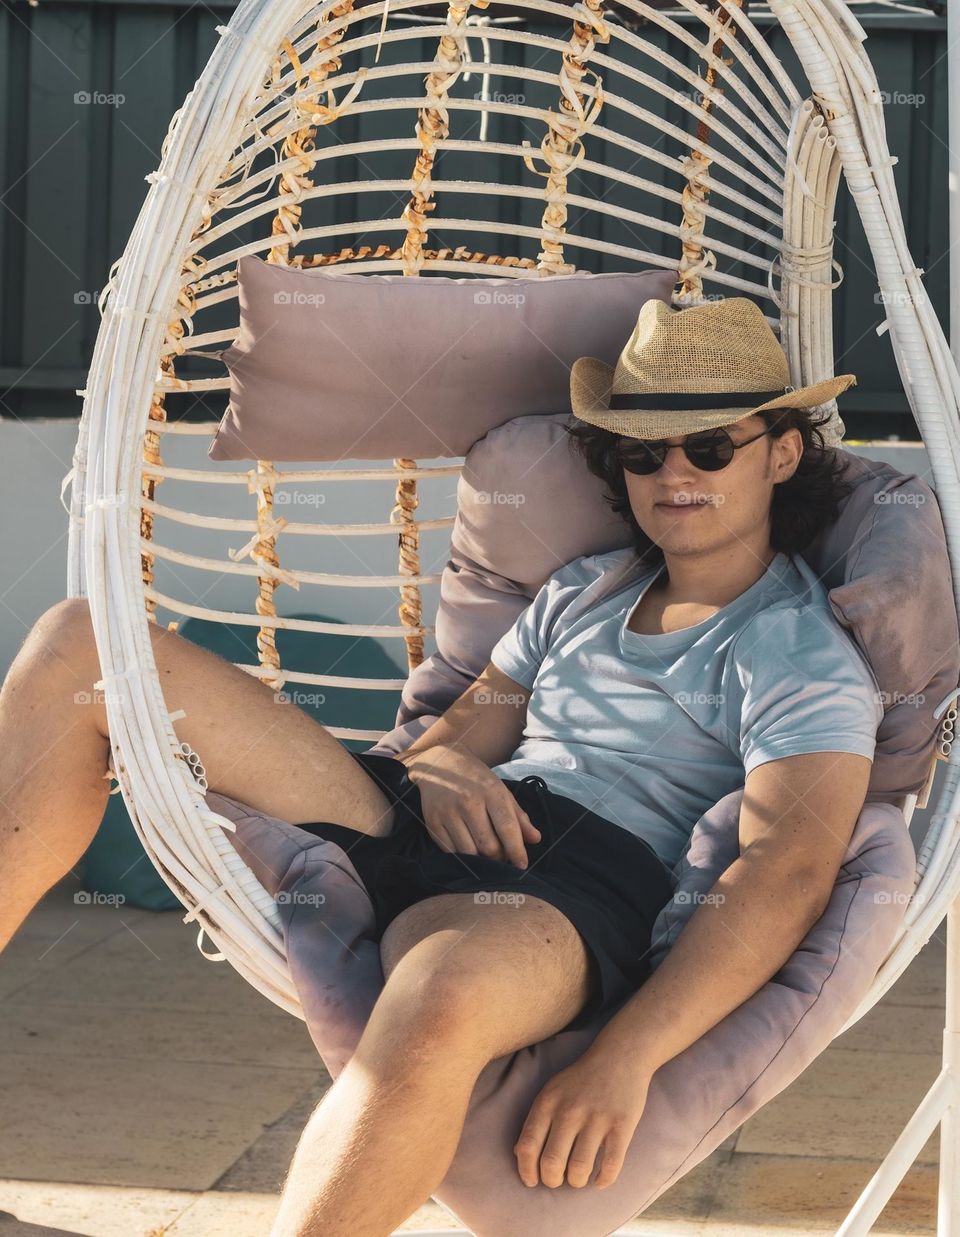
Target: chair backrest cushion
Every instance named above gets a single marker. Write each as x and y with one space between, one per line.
884 562
332 366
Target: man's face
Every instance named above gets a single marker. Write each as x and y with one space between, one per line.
686 510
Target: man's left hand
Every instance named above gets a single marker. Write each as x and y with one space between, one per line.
595 1102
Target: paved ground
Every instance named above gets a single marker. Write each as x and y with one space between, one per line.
147 1092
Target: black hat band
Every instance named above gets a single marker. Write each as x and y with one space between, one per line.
677 401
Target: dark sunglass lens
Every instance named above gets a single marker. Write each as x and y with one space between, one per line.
710 452
641 457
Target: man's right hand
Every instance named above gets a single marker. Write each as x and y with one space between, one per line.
467 808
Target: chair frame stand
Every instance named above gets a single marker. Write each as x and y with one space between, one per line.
940 1106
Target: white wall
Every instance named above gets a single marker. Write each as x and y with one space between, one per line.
33 548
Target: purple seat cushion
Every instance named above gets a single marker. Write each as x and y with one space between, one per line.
886 567
884 562
695 1101
706 1092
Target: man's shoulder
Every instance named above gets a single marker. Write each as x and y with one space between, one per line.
580 573
794 590
586 583
599 561
602 575
612 567
797 629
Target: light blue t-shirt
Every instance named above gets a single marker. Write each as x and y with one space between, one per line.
651 731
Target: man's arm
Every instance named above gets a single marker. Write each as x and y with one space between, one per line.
487 721
796 820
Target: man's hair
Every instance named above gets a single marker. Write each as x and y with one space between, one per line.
801 507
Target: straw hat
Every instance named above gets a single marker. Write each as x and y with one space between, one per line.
686 370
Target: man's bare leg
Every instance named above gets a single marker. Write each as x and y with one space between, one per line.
53 755
54 750
481 980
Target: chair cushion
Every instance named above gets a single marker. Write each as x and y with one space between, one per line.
323 357
884 562
695 1101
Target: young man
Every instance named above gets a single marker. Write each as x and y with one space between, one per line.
638 688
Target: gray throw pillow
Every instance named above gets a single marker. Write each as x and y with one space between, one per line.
348 366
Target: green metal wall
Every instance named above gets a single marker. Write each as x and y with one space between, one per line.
72 182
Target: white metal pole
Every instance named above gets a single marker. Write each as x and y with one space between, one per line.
948 1201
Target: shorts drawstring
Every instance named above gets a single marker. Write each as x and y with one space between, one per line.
543 793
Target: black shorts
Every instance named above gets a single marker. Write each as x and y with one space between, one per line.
609 883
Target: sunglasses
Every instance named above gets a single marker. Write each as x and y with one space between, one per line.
709 451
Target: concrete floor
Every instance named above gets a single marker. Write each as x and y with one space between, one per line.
148 1092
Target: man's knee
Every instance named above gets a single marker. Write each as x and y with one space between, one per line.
60 640
440 994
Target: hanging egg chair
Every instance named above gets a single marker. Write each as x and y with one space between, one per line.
633 137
